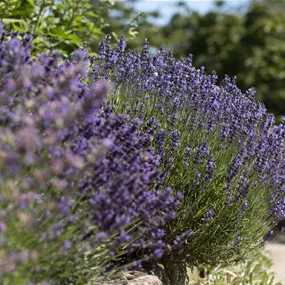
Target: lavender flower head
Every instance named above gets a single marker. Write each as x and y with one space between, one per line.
76 178
217 145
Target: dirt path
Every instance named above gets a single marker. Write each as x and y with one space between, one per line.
278 257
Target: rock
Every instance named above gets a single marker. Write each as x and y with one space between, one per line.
133 278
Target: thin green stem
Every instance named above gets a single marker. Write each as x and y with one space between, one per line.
38 18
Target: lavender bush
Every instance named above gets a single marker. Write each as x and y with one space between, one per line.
217 145
86 179
80 184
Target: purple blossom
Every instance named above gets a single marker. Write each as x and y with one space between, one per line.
93 173
209 216
180 239
229 147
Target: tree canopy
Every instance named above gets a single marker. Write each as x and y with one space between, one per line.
249 45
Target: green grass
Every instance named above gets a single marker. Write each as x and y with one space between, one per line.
254 272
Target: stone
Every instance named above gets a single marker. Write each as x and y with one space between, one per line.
133 278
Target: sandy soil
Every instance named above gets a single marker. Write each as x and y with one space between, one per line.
278 257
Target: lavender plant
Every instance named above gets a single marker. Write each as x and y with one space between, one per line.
217 145
80 184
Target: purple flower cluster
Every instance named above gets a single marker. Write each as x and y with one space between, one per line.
216 144
83 174
76 178
118 187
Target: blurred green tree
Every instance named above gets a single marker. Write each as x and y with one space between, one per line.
65 24
250 45
135 26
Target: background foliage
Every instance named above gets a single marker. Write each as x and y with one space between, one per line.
248 43
248 273
66 24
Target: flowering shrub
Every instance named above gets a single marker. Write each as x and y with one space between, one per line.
80 185
86 182
217 145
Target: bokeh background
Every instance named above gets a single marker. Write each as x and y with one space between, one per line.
238 38
243 38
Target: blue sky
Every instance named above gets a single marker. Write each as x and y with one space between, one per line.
168 7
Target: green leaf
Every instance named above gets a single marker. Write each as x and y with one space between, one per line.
250 278
91 14
73 38
21 27
9 21
257 268
58 32
54 20
265 277
271 281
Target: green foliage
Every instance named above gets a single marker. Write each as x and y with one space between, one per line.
211 243
250 46
252 272
65 24
135 26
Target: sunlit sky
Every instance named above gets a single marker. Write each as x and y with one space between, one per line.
167 7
